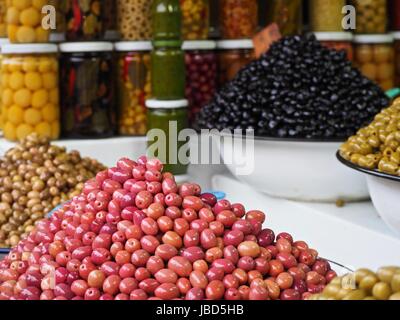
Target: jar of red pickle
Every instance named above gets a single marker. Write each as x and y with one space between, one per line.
134 86
87 90
233 55
238 18
201 74
397 57
374 56
338 41
395 10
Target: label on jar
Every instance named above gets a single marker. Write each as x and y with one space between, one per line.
265 38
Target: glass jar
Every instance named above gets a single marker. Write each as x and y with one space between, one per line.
110 15
233 55
135 19
30 93
134 86
395 10
397 57
24 21
167 20
326 15
238 18
85 20
61 9
3 41
338 41
372 16
87 88
201 74
168 69
374 56
3 25
195 19
166 120
288 14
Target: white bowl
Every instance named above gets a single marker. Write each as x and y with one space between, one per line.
298 170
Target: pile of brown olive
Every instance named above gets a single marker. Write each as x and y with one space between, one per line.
364 285
35 177
377 146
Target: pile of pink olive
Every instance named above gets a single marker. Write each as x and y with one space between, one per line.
135 234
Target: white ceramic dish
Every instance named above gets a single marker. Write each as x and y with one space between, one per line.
298 170
385 194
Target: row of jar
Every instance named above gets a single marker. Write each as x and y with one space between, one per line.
87 20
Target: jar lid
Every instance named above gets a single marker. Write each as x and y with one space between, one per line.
32 48
4 41
373 38
167 43
333 36
57 37
199 45
235 44
133 46
396 35
166 104
86 46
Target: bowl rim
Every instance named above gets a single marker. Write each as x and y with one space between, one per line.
370 172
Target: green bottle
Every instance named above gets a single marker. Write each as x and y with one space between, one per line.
167 20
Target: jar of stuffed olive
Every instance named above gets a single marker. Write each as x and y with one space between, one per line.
233 55
135 19
374 56
341 41
24 21
288 14
134 86
85 20
238 18
195 19
326 15
372 16
30 94
166 120
397 57
87 88
3 23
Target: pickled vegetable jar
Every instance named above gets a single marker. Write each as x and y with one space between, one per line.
168 69
372 16
288 14
341 41
24 21
201 74
87 88
110 15
238 18
30 94
374 56
135 19
134 86
3 24
395 10
397 57
233 55
326 15
84 20
3 41
61 9
166 120
167 20
195 19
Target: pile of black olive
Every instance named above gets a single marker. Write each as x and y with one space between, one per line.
298 89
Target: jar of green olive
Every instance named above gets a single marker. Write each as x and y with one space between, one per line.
371 15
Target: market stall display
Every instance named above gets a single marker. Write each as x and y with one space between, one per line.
364 285
24 21
338 41
288 14
326 15
30 93
177 243
134 19
35 178
372 16
134 86
87 87
195 19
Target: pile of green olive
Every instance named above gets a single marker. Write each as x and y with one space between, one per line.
364 284
35 177
377 146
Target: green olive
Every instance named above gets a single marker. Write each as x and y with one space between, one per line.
386 274
381 291
342 293
396 283
355 295
395 296
361 274
332 290
368 282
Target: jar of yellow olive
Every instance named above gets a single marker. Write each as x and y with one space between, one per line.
3 41
134 86
195 19
24 21
397 57
371 15
374 56
326 15
3 25
30 93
